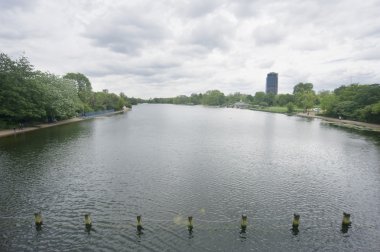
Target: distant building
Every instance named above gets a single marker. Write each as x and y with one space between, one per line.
272 83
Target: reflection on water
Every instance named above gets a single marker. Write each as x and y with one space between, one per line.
295 231
166 162
345 228
354 133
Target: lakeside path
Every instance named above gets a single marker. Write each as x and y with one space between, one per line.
4 133
345 123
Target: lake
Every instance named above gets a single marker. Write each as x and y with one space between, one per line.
168 162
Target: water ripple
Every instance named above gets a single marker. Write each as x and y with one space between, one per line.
170 162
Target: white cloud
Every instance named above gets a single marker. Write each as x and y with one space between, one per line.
269 34
214 31
372 53
196 8
127 29
163 48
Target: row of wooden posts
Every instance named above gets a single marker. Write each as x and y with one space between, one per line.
243 222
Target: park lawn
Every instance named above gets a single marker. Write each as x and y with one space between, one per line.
277 109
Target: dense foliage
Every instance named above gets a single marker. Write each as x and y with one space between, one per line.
27 95
304 95
217 98
355 102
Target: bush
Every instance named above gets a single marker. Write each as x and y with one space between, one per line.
290 107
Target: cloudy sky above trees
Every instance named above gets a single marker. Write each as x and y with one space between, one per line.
161 48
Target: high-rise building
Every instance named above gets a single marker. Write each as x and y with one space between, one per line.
272 83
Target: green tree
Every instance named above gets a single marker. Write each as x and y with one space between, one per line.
290 107
82 84
27 95
327 101
305 96
249 99
302 87
233 98
355 102
19 95
195 98
370 113
270 99
259 97
125 100
181 99
59 96
213 98
346 109
284 99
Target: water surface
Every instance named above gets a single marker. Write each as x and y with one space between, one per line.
167 162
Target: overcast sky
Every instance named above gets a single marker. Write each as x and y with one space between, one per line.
161 48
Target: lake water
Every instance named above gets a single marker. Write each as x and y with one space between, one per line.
167 162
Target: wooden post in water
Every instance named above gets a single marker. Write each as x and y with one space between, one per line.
243 223
87 221
139 225
346 219
346 222
190 224
296 221
38 219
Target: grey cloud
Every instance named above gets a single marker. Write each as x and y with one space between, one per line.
309 45
126 32
331 16
213 32
364 77
372 54
11 34
336 60
266 64
186 51
370 31
119 70
294 76
303 12
336 78
269 34
193 46
150 67
246 8
12 15
125 39
198 8
14 4
27 21
297 9
239 84
336 20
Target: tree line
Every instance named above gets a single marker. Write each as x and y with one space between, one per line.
353 102
303 96
28 95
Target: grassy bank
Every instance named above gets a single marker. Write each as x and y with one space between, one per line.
345 123
9 132
334 121
276 109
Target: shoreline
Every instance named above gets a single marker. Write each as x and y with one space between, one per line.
344 123
11 132
334 121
